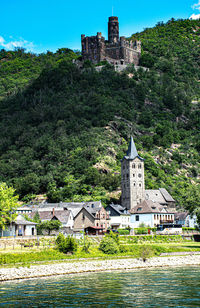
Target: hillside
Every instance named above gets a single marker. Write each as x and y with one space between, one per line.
63 131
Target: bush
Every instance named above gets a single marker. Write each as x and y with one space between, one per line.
141 230
146 252
67 244
108 245
123 248
60 238
114 236
123 231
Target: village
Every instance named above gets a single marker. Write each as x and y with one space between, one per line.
150 209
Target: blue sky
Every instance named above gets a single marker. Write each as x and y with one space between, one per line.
41 25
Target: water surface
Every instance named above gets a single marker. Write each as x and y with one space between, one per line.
169 287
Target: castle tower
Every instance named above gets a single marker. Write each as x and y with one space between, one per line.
113 30
132 178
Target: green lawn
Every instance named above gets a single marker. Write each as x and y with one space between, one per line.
29 256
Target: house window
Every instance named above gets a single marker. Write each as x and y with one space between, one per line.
137 217
140 185
139 166
127 176
133 166
83 217
133 174
134 184
139 175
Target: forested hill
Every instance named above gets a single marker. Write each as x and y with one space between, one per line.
63 130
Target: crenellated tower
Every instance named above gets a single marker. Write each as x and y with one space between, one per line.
132 178
113 30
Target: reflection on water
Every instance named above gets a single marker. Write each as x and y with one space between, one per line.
174 287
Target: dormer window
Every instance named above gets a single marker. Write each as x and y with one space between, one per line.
139 209
153 207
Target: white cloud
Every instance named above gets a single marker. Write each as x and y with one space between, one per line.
195 17
196 6
16 43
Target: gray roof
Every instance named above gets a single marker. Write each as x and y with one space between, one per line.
154 195
132 151
118 208
61 214
160 195
181 216
166 195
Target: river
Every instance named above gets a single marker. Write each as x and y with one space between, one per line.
166 287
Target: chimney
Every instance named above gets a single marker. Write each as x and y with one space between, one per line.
53 211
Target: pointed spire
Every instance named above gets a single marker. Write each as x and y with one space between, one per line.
132 151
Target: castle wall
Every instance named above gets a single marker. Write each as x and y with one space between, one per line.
115 50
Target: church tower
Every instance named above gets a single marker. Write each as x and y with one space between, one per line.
132 178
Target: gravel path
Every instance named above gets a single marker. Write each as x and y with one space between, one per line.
64 268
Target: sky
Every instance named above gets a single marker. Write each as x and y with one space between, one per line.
41 25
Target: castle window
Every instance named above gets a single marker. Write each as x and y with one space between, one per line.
137 217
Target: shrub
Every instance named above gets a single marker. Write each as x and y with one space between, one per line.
123 248
123 231
108 245
60 238
114 236
141 230
67 244
146 252
86 246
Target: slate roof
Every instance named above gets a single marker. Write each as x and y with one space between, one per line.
147 207
166 195
154 195
61 215
118 208
132 151
181 216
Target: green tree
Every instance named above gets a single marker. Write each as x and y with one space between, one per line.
8 204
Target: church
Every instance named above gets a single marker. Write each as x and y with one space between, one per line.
133 184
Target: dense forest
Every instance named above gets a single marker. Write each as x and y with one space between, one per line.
63 131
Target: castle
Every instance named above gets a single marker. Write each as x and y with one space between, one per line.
116 50
133 183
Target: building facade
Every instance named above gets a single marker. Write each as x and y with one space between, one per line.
133 183
132 178
116 50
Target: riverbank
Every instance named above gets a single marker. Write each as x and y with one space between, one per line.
64 268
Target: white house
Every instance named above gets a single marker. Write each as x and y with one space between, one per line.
63 215
20 227
119 216
151 214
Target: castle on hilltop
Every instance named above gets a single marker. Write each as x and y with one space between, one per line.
116 50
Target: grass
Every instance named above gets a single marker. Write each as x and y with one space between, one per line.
32 255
